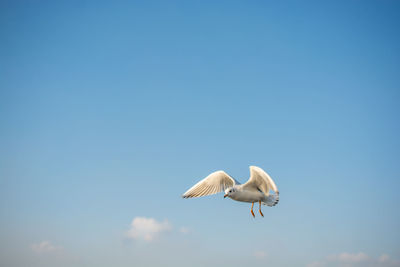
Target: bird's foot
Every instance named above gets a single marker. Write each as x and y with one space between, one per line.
253 213
261 213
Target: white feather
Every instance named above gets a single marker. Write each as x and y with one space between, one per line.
214 183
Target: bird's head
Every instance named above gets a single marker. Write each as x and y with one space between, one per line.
229 191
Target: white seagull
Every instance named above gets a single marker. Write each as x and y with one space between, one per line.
256 189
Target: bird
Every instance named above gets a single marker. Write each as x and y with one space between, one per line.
256 189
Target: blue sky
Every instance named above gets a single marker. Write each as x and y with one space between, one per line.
109 111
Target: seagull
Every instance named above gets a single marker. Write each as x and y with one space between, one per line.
256 189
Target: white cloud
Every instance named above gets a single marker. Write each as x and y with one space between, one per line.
349 257
384 258
260 254
147 229
355 260
184 230
44 247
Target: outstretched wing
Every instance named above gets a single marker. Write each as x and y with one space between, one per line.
214 183
260 180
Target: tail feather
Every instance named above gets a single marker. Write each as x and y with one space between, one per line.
271 200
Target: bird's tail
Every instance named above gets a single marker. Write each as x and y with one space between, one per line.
271 200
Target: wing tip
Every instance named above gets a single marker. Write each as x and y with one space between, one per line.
188 196
254 168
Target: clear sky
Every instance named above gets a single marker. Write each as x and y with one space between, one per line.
110 110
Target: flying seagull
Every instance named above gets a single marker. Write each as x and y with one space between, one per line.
256 189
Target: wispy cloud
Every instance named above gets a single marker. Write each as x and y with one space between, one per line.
45 247
260 254
184 230
349 257
147 229
355 260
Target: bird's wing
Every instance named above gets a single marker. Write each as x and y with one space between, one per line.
260 180
214 183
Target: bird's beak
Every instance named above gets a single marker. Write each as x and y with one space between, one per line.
225 195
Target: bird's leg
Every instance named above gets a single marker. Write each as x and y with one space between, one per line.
252 204
260 209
